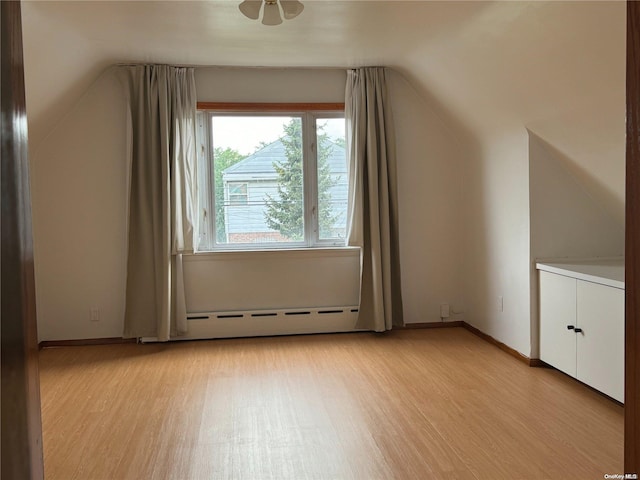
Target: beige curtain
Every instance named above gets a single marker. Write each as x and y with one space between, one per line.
162 201
372 206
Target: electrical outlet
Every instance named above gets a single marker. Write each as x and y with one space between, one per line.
444 310
95 314
500 304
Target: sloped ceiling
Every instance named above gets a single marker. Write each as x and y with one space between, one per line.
487 68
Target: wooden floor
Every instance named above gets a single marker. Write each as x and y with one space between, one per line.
412 404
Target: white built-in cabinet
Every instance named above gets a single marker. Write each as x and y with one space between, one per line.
582 326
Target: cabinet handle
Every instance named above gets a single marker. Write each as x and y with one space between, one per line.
570 327
577 330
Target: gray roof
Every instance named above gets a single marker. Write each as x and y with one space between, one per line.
260 163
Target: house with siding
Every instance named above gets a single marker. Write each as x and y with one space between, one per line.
251 182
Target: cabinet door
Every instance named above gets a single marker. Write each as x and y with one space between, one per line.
600 345
557 311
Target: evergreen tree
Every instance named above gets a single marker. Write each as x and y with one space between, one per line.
285 212
326 217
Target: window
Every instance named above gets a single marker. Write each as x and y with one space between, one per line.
237 193
275 179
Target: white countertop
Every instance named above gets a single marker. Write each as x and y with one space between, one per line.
608 272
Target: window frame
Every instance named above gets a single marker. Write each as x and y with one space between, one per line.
230 197
309 113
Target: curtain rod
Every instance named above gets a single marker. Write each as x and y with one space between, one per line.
238 67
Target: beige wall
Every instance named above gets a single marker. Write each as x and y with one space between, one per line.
484 73
430 169
557 69
79 190
79 197
567 219
496 240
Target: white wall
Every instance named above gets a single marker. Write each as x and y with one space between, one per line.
429 180
489 69
78 180
496 239
79 197
430 172
267 280
263 280
556 68
464 208
523 201
567 219
226 84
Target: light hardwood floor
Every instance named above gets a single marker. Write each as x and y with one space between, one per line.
412 404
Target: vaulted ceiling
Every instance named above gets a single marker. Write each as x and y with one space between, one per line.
556 68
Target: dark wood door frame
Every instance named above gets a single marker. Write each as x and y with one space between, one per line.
21 424
632 254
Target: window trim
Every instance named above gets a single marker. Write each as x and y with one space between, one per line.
244 195
308 112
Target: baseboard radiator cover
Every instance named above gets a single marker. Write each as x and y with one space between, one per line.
282 321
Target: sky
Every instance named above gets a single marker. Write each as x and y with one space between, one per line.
244 134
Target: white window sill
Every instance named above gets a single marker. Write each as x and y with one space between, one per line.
303 252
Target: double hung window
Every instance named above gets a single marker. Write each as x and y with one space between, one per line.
272 178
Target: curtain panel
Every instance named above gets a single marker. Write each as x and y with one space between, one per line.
162 200
372 218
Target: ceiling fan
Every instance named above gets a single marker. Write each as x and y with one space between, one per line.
271 12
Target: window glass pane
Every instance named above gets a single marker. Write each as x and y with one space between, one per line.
332 179
237 193
258 179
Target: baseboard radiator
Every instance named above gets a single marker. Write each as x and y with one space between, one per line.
289 321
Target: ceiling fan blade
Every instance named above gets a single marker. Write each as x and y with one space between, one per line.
291 8
251 8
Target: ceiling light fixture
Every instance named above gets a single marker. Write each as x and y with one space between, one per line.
271 12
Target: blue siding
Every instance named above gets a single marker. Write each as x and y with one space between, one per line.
257 171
